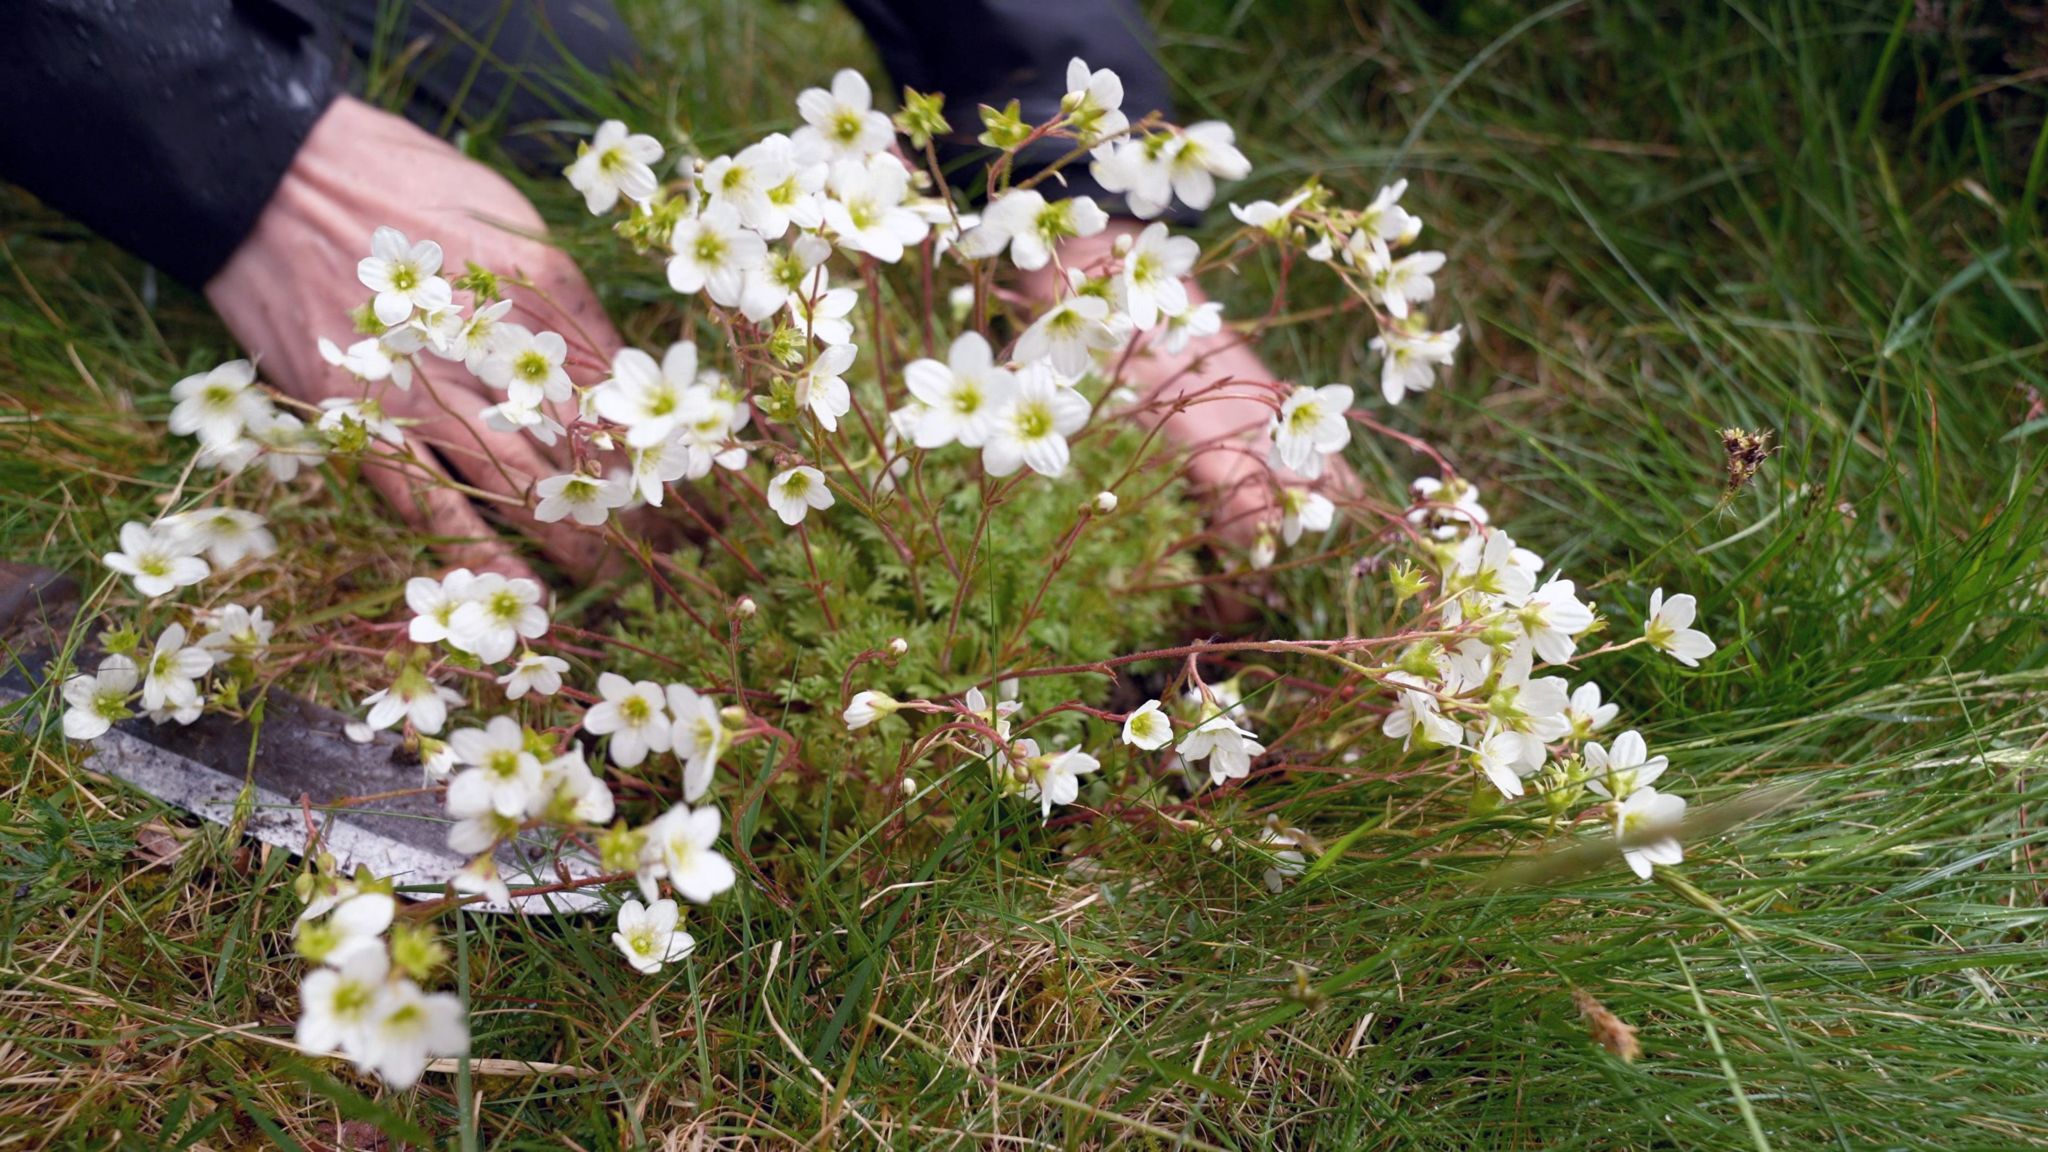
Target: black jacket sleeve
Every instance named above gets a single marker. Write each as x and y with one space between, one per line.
164 125
979 52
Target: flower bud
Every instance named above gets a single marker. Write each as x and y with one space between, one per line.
866 708
898 646
1122 247
744 607
1105 502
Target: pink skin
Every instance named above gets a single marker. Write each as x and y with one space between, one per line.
293 280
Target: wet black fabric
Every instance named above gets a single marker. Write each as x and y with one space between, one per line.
166 125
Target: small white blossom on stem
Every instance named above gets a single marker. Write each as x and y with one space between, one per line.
795 492
615 163
502 772
821 388
697 737
842 123
1304 510
679 850
227 535
1311 426
962 397
407 1028
402 274
1228 748
1615 773
219 404
588 500
631 713
171 679
496 616
1069 334
1033 430
1552 618
1670 629
414 698
1056 779
649 937
1093 105
1148 728
434 603
866 212
1152 281
1637 821
650 400
528 365
157 559
94 702
536 673
1586 714
1408 360
865 708
714 252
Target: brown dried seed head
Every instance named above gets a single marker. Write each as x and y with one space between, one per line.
1746 452
1606 1028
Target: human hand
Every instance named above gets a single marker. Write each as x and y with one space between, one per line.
294 280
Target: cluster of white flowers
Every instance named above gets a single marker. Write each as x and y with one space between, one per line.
1479 695
363 999
762 240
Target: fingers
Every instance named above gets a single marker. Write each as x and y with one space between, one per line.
417 489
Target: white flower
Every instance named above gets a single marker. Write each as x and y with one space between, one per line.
1586 714
1311 426
571 793
1618 772
1384 219
369 361
1552 617
1056 779
403 276
697 736
615 163
434 603
1032 431
1285 845
528 365
535 673
1199 322
821 311
649 937
679 849
406 1029
1669 628
866 211
341 417
821 387
413 698
335 1005
1069 334
94 702
587 499
1205 153
157 559
1502 754
1486 563
1228 748
496 616
865 708
1148 728
1140 169
1267 215
479 336
795 492
1304 510
748 182
226 535
217 405
1408 360
714 252
1151 283
1418 713
963 396
842 123
649 400
1032 226
171 679
503 775
356 927
1637 822
1401 284
632 714
1094 102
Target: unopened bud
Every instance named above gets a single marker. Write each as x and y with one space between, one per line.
744 607
910 786
898 646
1105 502
1122 247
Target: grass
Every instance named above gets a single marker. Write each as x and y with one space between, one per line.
1814 218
